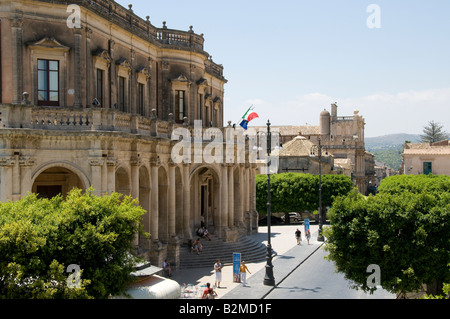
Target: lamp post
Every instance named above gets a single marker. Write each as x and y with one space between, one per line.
318 149
269 280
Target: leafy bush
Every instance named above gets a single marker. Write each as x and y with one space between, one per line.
39 238
404 229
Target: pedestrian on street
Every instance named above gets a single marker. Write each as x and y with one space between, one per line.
209 293
167 268
298 236
308 235
218 269
243 273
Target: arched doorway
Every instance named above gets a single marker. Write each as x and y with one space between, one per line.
205 198
56 180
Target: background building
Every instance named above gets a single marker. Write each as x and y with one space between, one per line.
295 157
426 158
95 104
343 138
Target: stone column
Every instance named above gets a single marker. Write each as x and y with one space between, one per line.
173 249
165 91
96 174
187 202
154 212
17 59
246 188
111 178
224 201
104 170
16 194
77 69
26 165
135 188
252 194
112 76
89 71
133 83
6 178
172 199
240 211
230 199
134 179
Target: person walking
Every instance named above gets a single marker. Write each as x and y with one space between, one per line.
218 269
298 236
243 273
308 236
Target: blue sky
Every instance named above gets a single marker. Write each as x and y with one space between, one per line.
293 58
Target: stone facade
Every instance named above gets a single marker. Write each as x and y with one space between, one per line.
295 157
96 105
343 138
426 158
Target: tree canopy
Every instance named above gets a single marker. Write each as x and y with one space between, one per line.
404 229
40 238
296 192
433 132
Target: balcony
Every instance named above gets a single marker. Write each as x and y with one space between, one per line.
128 20
82 119
28 116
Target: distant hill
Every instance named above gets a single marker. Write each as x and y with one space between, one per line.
388 148
391 141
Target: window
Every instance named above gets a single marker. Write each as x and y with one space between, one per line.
99 93
427 168
141 100
179 106
122 106
48 82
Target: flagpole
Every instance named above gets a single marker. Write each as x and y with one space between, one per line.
243 116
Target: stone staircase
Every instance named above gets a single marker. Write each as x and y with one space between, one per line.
251 251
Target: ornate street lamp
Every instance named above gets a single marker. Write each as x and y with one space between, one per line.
318 149
269 280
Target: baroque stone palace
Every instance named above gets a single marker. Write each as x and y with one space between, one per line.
342 137
90 94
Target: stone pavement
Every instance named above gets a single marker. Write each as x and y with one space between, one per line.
289 256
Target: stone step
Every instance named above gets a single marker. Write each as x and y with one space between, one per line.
251 251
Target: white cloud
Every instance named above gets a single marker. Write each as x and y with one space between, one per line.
255 102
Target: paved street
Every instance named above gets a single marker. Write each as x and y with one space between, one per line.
316 279
300 272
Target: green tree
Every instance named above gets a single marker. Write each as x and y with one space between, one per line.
404 229
39 238
295 192
433 132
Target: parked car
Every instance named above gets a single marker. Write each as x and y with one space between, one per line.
293 217
273 221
